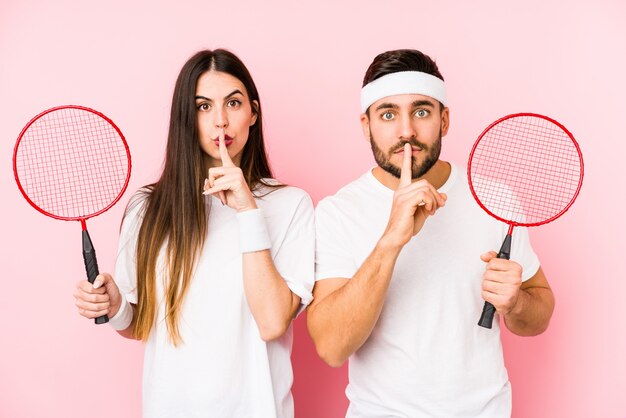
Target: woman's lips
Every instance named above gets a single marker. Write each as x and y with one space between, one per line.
227 141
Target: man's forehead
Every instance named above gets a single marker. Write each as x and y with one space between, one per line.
401 100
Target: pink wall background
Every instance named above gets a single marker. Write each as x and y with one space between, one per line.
561 58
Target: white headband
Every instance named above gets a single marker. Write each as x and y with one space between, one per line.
403 82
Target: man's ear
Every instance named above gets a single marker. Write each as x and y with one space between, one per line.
445 121
365 125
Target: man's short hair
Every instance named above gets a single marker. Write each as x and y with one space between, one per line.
400 60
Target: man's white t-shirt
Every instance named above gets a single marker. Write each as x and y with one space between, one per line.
426 356
223 368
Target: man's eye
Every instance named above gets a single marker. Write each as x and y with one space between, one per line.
387 116
422 113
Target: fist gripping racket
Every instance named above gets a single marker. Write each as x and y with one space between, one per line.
525 170
72 163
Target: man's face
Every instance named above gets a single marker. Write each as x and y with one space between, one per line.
396 120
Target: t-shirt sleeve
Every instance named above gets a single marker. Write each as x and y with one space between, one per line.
332 256
294 255
126 264
522 253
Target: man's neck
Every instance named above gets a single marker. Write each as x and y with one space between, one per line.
437 176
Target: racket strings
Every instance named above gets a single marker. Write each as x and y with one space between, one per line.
526 169
72 163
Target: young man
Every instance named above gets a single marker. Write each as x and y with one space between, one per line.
403 265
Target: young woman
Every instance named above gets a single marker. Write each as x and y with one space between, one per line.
215 258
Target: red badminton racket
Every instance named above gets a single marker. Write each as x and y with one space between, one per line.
525 170
72 163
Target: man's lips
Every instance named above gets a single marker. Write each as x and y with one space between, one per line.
413 148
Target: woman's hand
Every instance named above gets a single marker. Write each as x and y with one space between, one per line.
229 183
97 299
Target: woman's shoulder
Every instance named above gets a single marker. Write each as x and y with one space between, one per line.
272 191
137 203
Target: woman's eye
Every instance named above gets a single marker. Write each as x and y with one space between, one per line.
204 107
387 116
422 113
233 103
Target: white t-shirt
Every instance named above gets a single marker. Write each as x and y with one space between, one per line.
223 368
426 356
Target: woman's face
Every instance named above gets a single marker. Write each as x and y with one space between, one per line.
222 102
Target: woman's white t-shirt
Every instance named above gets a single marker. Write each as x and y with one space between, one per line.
223 368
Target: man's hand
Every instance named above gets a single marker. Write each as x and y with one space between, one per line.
413 203
501 282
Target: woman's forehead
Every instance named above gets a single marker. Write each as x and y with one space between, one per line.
217 85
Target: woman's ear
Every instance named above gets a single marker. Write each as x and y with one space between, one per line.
255 111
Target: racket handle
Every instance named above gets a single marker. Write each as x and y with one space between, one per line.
486 318
91 266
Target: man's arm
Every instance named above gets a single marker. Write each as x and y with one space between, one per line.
344 311
533 309
526 306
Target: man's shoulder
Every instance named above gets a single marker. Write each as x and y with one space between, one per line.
352 194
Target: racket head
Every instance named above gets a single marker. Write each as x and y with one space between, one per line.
525 169
71 162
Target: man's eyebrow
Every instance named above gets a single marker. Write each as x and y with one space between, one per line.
386 105
419 103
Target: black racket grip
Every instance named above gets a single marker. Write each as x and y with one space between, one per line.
486 318
91 265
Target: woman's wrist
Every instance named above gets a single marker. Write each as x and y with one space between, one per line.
253 234
124 315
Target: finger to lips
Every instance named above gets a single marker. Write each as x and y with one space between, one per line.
405 171
226 161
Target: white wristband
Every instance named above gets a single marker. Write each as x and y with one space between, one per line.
123 317
253 235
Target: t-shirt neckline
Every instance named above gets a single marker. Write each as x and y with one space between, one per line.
381 188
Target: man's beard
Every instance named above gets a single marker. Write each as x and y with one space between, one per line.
417 169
